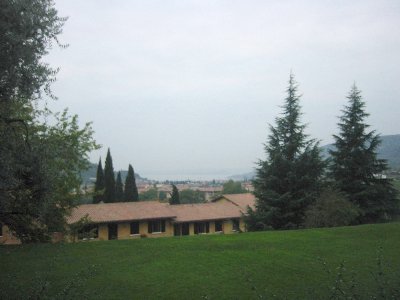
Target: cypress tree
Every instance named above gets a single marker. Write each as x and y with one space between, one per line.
109 179
119 189
289 179
355 166
174 196
131 192
99 184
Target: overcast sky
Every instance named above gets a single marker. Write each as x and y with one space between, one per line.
184 89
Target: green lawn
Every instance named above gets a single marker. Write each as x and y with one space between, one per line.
289 264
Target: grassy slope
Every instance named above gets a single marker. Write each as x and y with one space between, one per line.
284 262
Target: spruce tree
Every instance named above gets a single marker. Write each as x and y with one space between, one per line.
174 196
131 192
99 184
109 179
355 166
288 181
119 189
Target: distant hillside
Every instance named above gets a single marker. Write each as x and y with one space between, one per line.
243 177
89 176
389 150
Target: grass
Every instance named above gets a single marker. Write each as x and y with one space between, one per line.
288 264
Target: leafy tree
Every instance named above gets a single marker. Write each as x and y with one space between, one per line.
288 180
162 195
119 189
99 185
174 196
331 209
131 192
109 179
151 194
232 187
355 166
39 163
191 196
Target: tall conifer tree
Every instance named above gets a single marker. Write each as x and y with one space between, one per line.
355 166
174 196
109 179
289 179
119 189
99 184
131 192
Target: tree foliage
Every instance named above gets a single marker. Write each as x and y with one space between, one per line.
355 166
331 209
174 196
289 179
191 196
109 179
99 185
131 192
119 188
151 194
39 162
232 187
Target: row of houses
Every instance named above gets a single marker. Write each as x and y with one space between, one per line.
130 220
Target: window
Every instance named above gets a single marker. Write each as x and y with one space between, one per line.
201 227
1 229
156 226
88 232
235 225
218 226
134 227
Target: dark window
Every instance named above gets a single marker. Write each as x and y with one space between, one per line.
134 227
181 229
218 226
1 229
201 227
112 231
90 231
156 226
235 225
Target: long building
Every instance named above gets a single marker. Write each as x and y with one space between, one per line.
132 220
129 220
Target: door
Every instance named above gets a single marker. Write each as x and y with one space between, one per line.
177 229
112 231
185 228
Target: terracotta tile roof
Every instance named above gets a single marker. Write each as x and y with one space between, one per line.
145 210
241 200
122 211
205 211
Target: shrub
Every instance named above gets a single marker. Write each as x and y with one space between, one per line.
331 209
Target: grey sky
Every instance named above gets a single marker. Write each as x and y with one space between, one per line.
189 87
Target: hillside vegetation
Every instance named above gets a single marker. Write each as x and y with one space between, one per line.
288 264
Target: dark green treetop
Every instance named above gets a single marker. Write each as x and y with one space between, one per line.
119 189
355 166
174 196
289 179
109 179
191 196
99 184
131 192
232 187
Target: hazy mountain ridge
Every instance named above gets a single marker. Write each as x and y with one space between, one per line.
389 149
89 176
